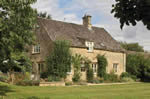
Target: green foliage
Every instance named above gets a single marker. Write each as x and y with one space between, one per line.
44 15
127 79
131 11
17 24
89 73
138 66
59 61
124 74
111 77
53 78
132 46
3 78
76 61
44 75
102 63
68 83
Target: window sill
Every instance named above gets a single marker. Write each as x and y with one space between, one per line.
35 53
95 73
68 73
90 51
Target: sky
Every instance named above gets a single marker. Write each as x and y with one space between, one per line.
72 11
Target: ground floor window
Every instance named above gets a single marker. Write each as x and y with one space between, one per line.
82 68
94 67
41 67
115 67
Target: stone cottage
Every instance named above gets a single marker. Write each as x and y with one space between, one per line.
86 39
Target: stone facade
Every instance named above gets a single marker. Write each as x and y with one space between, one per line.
83 38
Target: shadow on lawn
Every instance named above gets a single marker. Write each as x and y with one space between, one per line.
33 97
4 90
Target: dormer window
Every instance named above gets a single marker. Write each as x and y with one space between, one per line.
36 48
90 46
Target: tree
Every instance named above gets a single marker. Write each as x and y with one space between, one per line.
131 11
44 15
17 24
138 66
132 46
59 61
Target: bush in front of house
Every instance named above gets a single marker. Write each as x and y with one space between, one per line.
90 75
28 83
127 79
76 61
59 61
111 77
68 83
124 74
102 63
44 75
53 78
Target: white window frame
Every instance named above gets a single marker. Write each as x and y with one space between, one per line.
115 67
94 67
90 46
36 49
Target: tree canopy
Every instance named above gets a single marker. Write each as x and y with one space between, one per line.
17 23
132 46
131 11
44 15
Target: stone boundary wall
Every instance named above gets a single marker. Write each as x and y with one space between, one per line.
52 84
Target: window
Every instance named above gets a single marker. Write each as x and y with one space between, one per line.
94 67
36 49
115 67
69 70
82 68
90 46
41 67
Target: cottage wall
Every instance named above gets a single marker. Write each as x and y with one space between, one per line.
112 57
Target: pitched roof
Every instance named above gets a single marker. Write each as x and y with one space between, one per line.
78 34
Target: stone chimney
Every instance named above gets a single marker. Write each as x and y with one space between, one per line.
87 21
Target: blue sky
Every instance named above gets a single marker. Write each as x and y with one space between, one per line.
73 11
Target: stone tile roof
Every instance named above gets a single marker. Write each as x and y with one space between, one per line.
78 34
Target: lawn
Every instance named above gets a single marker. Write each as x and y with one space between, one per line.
124 91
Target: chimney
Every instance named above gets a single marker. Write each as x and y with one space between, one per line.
87 21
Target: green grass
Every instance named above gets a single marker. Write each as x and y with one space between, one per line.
125 91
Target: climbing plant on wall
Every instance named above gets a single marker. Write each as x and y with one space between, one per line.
76 61
102 63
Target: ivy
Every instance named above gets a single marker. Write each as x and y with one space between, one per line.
102 63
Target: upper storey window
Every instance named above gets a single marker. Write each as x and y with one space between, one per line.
90 46
36 48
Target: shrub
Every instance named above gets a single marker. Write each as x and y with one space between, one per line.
76 61
3 78
111 77
76 77
68 83
127 79
101 80
52 78
59 61
44 75
28 83
102 63
124 74
90 75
